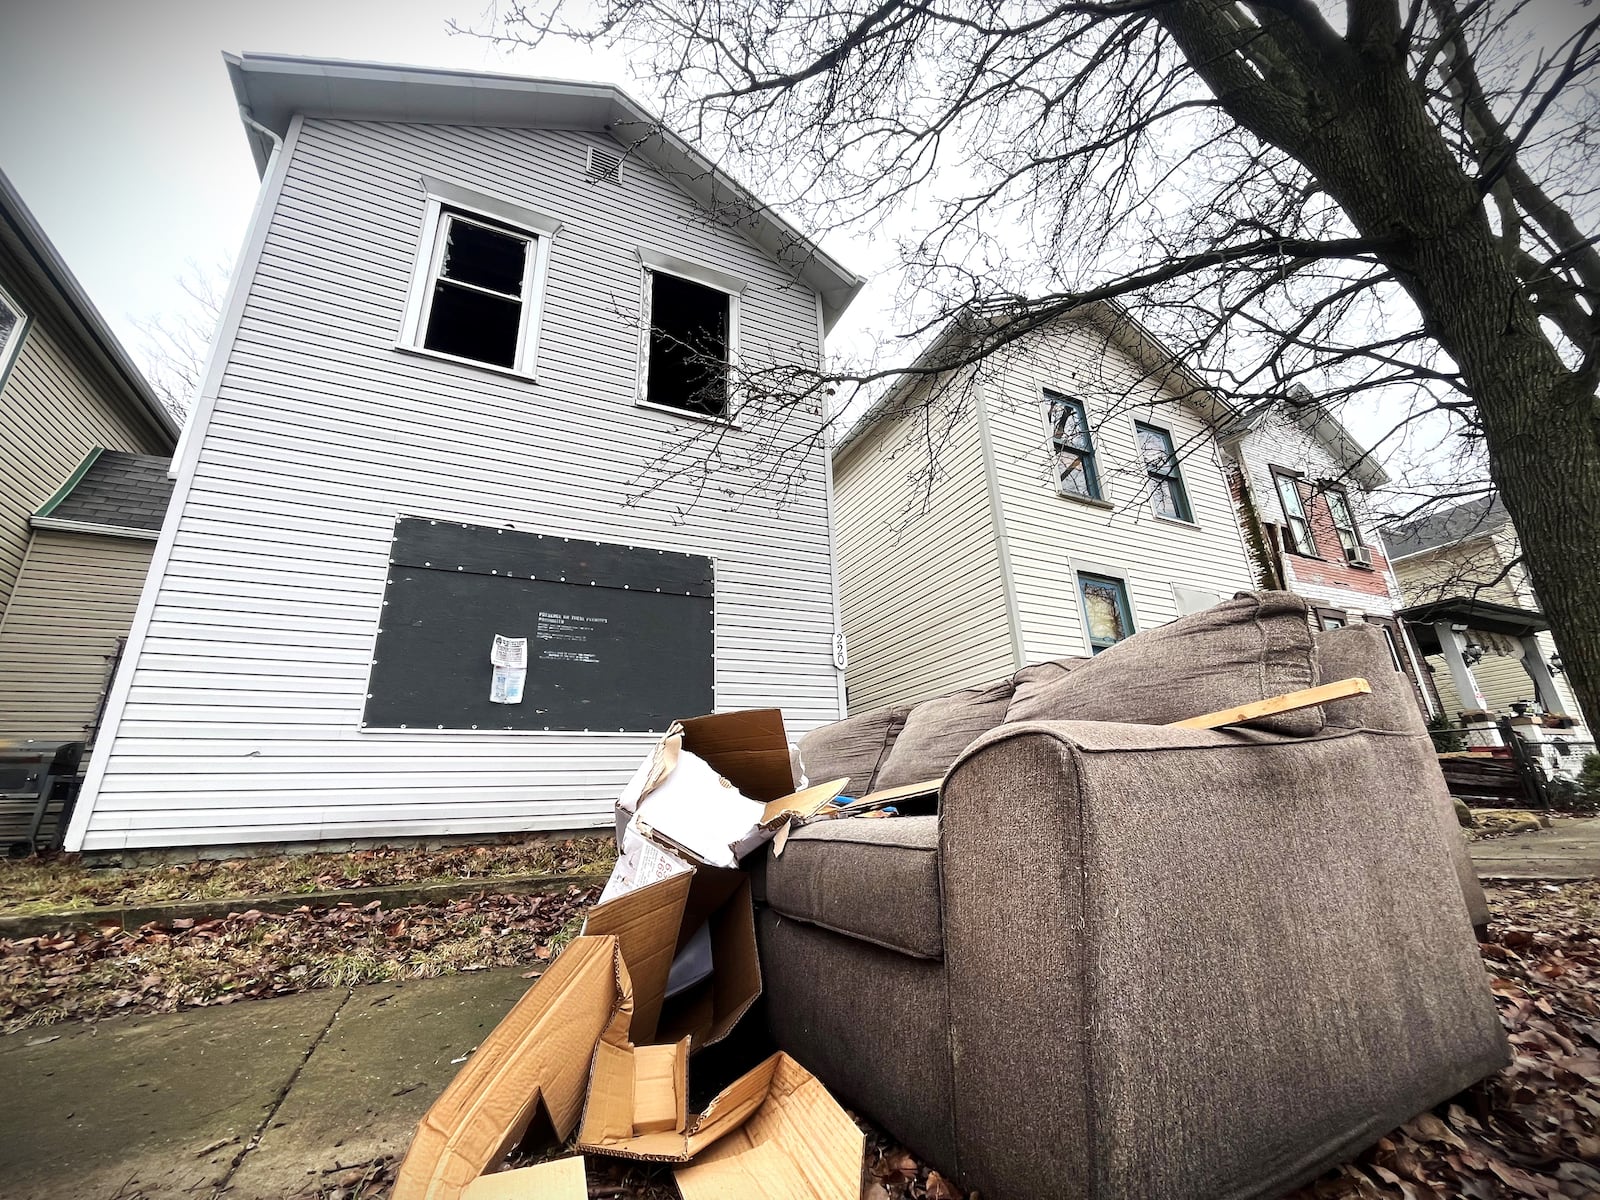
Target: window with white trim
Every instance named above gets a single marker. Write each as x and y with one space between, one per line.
476 288
1343 520
1301 539
13 323
1071 446
689 342
1168 497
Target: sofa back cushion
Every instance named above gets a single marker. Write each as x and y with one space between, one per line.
852 749
1035 685
938 730
1256 645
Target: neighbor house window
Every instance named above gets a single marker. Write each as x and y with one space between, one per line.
1106 614
1294 513
1343 520
1073 449
689 341
12 325
1168 496
476 290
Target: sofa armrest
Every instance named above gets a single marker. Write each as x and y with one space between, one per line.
1194 963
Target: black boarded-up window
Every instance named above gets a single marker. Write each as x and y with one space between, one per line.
619 637
688 363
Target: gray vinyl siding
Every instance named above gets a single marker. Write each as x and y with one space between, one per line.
55 407
1053 537
921 595
242 718
72 602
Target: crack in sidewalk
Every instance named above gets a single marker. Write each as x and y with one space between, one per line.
283 1094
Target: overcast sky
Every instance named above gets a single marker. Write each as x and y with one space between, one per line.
122 136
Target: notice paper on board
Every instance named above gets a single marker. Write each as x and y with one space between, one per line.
510 658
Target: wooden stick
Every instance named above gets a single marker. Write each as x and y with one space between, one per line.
1288 702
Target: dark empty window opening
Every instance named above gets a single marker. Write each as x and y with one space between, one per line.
688 350
478 291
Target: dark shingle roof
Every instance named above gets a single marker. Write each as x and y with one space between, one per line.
1447 527
126 490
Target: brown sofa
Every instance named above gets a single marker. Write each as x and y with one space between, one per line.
1133 961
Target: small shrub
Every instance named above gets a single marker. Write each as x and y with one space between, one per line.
1446 738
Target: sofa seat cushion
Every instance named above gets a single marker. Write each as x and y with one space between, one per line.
874 879
1252 647
937 731
852 749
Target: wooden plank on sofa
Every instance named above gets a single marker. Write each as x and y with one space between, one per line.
1272 705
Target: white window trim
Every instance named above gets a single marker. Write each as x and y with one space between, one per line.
1077 567
1134 421
1106 498
13 344
442 197
653 261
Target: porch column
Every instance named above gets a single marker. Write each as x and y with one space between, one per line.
1544 684
1450 645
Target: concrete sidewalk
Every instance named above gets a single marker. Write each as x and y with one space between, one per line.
1567 851
258 1101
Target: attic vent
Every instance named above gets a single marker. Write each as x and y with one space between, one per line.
603 167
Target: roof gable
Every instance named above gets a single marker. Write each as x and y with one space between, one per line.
272 88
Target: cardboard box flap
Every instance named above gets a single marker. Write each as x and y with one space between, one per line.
750 749
646 924
609 1121
798 1145
562 1179
539 1054
707 1012
801 804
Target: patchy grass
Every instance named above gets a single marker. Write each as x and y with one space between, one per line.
250 955
62 883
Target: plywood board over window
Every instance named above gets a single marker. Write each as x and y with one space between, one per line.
618 638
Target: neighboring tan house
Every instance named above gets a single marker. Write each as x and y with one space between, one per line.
1302 484
1051 501
412 582
1474 611
77 424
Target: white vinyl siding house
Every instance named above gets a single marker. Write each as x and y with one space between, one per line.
985 557
239 716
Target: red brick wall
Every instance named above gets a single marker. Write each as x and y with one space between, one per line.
1331 570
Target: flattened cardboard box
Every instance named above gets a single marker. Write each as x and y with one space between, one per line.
540 1054
562 1179
568 1034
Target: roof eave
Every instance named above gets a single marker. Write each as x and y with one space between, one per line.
272 88
61 283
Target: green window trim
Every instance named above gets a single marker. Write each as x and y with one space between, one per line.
1107 615
1169 498
1072 446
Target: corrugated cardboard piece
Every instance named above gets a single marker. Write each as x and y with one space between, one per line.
562 1179
798 1145
540 1054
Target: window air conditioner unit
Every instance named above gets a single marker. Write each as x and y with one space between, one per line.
1359 556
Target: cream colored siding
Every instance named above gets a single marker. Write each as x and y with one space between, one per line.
242 717
1053 537
54 408
73 600
922 597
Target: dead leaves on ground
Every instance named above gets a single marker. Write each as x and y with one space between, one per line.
251 955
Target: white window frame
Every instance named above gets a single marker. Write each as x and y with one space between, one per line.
655 262
13 344
443 199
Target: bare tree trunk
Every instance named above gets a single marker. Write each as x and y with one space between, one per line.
1373 145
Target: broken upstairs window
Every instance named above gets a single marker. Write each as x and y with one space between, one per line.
687 356
480 284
